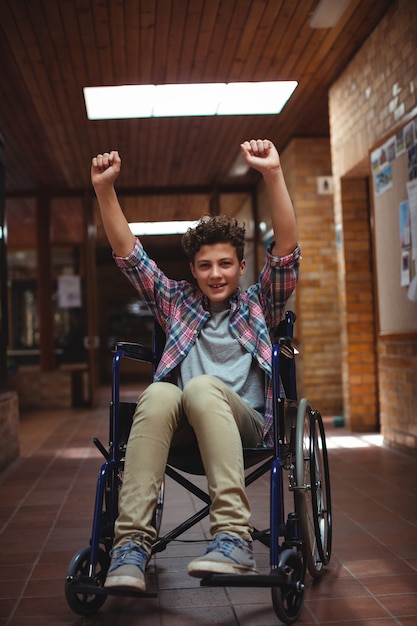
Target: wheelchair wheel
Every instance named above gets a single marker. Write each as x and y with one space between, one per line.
287 599
83 603
307 492
320 489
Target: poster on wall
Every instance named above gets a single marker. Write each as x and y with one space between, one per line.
69 291
405 268
381 167
383 180
399 142
405 240
412 162
409 138
412 201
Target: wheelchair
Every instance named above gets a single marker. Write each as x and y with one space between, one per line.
298 540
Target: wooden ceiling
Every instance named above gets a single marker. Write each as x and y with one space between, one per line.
51 49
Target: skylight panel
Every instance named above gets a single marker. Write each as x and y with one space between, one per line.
194 99
255 98
161 228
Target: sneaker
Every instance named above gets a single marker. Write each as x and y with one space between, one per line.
226 554
127 567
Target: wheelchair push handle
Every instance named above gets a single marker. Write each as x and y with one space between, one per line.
134 351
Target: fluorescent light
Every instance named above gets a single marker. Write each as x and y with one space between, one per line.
142 101
161 228
255 98
268 236
328 13
183 100
239 166
128 100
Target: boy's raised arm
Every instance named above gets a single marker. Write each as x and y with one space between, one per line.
262 155
105 169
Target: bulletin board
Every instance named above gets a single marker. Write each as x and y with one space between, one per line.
394 185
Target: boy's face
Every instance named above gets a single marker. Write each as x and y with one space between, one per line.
217 270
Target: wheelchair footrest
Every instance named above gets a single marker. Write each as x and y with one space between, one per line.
87 586
244 580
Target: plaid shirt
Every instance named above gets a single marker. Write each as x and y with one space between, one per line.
181 310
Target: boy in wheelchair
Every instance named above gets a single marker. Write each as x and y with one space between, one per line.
212 387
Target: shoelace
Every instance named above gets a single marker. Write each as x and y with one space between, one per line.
225 545
131 554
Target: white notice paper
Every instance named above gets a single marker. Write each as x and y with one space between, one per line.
412 198
69 291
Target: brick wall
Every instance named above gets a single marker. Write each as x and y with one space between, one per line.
360 382
317 308
318 326
373 96
398 391
37 389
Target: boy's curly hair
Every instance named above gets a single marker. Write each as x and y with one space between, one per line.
217 229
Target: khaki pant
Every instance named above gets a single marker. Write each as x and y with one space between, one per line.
220 421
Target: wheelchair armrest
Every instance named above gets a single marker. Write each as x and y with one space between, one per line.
135 351
287 345
284 335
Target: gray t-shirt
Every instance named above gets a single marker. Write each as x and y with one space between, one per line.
218 353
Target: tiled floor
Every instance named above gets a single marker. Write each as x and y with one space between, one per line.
46 500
